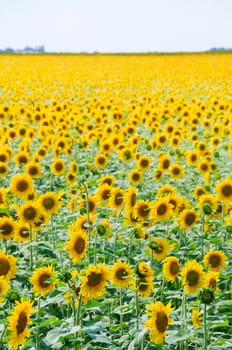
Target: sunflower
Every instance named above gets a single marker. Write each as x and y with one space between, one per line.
158 174
58 166
224 190
71 177
122 275
135 176
77 243
130 198
49 203
7 227
162 209
21 185
207 199
144 270
188 218
22 232
159 247
143 163
103 192
204 167
4 287
192 276
101 161
29 212
7 266
93 283
165 190
90 205
107 179
192 157
176 171
84 221
159 320
196 319
164 162
33 169
21 158
145 286
199 191
43 280
211 280
215 259
3 197
18 322
104 229
171 268
142 209
116 199
3 169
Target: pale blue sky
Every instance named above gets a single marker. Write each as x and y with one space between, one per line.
116 25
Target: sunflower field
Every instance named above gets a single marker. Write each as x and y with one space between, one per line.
116 202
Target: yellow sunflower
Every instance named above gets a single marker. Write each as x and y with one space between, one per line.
58 166
192 157
7 227
165 190
107 179
211 280
7 266
22 232
104 229
4 287
171 268
215 259
101 161
21 158
77 243
29 212
176 171
94 281
43 280
196 319
49 203
159 320
21 185
192 276
103 192
142 209
145 286
18 321
135 176
116 199
144 270
224 190
188 218
3 169
159 247
162 209
122 275
199 191
130 198
33 169
143 163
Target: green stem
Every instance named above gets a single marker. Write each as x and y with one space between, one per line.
202 237
88 219
205 326
53 234
121 315
79 316
31 248
137 305
2 335
37 345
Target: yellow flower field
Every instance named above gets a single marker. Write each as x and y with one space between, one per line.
116 201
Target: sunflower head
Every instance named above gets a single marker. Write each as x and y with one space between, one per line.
215 259
43 280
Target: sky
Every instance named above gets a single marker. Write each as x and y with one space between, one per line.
116 25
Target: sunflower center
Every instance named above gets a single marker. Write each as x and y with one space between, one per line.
6 229
29 213
22 322
192 278
143 285
204 167
24 232
59 166
176 171
162 208
94 279
79 245
215 260
144 163
193 157
143 210
22 185
22 159
189 219
161 321
105 194
91 206
43 280
133 199
136 176
118 199
166 163
101 160
212 283
48 203
33 170
4 267
121 274
174 268
227 190
3 169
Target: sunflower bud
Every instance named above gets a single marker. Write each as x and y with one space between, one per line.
13 295
207 209
65 276
206 296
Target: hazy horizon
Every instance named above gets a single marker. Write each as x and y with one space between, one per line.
122 26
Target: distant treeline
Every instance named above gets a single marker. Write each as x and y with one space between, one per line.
27 49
